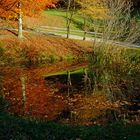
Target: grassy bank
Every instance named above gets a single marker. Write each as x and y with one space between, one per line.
116 70
77 20
37 49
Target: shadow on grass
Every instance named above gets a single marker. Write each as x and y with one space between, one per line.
22 129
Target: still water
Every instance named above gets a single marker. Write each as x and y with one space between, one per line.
40 92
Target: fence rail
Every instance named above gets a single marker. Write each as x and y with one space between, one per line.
72 32
49 30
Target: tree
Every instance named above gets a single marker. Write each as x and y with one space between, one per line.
92 10
113 17
118 26
69 14
20 20
17 8
70 7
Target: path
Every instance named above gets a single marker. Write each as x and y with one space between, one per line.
78 37
43 31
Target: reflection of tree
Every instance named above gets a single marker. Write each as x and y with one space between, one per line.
38 100
41 99
1 85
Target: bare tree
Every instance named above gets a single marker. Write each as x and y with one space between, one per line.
120 25
20 21
114 18
117 26
6 6
69 14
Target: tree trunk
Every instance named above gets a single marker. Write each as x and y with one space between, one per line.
69 83
68 31
20 22
85 30
67 17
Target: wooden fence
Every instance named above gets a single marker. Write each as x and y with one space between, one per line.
63 31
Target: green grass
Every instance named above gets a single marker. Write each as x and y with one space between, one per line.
22 129
55 12
79 70
77 21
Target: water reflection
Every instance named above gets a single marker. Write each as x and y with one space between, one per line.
29 93
64 90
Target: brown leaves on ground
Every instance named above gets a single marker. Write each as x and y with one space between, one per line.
37 48
90 107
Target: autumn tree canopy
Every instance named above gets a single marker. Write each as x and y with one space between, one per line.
10 8
93 8
17 8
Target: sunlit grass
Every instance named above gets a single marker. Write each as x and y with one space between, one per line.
77 21
78 70
54 12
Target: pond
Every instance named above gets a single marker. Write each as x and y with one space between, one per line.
65 91
40 92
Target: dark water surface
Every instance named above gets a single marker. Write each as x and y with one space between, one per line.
40 91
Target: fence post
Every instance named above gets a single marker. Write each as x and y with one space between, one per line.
85 32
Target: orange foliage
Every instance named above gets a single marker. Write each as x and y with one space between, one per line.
43 98
9 8
41 102
38 49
